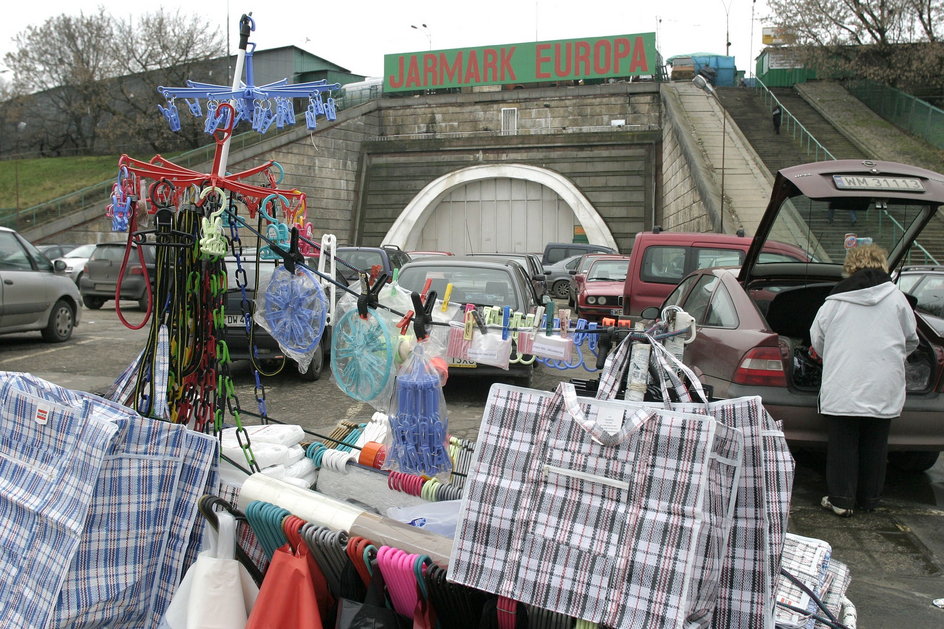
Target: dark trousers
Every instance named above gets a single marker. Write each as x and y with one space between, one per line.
855 460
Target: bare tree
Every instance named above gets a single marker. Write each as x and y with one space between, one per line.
168 49
88 83
897 42
66 60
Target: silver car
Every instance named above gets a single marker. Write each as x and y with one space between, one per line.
35 293
75 261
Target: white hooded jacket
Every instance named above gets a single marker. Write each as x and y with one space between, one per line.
864 337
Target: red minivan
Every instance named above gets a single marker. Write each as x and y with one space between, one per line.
659 260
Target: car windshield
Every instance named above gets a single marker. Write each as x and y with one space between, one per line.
608 271
82 251
470 285
824 229
360 260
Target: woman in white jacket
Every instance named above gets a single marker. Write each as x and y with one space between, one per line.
864 332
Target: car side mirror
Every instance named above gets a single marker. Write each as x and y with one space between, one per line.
547 272
59 266
651 313
573 271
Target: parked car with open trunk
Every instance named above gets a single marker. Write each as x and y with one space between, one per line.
753 322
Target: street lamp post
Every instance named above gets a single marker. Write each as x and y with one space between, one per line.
702 84
426 31
16 164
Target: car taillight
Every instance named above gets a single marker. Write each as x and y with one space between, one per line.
761 366
136 270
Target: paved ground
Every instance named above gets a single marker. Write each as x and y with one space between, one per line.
896 554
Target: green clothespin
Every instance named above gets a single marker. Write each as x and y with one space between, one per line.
549 315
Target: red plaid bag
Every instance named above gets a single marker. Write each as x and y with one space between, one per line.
747 591
600 510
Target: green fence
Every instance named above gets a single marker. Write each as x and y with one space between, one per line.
904 110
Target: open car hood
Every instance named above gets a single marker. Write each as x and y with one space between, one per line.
825 208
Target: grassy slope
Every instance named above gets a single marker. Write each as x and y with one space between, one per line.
43 179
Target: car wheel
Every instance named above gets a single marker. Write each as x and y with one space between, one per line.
315 366
93 303
914 461
561 289
61 323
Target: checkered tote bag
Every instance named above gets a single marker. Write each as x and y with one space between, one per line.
598 510
747 592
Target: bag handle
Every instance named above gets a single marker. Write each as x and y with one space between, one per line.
566 397
614 370
668 367
224 544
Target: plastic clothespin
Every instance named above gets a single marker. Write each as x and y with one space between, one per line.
549 316
426 287
516 320
446 296
404 323
480 322
423 316
291 256
469 322
506 320
369 294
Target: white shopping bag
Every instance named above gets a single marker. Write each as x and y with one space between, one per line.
217 591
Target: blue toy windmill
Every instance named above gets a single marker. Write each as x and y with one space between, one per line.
261 105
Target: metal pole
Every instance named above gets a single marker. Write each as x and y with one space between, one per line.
724 142
244 30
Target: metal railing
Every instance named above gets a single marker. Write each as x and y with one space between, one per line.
819 152
810 145
902 109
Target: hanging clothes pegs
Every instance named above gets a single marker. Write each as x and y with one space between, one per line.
423 314
369 297
446 296
506 320
291 256
548 316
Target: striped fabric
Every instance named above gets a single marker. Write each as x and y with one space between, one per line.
808 560
747 590
598 510
141 527
50 457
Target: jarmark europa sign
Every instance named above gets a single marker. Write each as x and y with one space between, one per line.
532 62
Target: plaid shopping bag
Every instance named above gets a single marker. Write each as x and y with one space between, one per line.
746 596
595 509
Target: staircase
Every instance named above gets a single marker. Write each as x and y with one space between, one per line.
753 117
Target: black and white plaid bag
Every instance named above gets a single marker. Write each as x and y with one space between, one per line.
606 511
747 593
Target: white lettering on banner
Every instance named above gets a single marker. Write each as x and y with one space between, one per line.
553 347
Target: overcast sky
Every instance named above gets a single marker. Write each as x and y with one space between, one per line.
356 34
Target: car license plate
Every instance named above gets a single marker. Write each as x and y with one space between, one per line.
235 321
108 287
463 363
616 311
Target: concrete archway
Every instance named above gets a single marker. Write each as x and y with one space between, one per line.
406 229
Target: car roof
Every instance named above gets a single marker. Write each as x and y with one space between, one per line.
481 261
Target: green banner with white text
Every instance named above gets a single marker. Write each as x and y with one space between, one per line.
532 62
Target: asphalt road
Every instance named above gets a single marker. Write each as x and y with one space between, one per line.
896 554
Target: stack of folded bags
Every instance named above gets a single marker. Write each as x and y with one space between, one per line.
278 452
810 561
